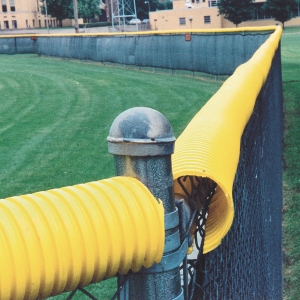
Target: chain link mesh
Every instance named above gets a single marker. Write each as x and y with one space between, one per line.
248 263
199 198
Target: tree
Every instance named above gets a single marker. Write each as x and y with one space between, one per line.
88 9
281 10
143 6
236 11
59 9
64 9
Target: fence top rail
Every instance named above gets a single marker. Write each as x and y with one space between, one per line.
157 32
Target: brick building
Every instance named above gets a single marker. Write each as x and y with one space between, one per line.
203 14
23 14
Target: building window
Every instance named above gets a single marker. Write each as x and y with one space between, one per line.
33 23
260 13
26 23
212 3
14 24
40 25
181 21
206 19
4 6
12 5
6 25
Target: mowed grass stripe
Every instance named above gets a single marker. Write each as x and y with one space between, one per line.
291 89
56 115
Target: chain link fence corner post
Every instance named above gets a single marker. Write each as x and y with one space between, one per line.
142 142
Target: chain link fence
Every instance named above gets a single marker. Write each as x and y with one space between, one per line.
248 263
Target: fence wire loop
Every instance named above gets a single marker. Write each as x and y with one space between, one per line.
82 290
91 296
199 197
121 286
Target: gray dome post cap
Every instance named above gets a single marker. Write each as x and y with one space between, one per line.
140 125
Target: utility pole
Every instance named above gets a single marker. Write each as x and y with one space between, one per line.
76 15
108 10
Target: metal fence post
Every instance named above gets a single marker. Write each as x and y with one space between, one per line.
142 142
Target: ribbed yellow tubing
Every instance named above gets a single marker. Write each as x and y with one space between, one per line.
56 240
210 144
154 32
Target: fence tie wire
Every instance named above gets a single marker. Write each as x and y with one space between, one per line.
84 292
199 197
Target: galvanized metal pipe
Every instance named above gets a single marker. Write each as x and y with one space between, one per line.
142 141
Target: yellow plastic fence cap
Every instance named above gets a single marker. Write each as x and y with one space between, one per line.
57 240
210 144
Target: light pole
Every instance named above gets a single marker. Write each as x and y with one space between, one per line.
148 8
47 21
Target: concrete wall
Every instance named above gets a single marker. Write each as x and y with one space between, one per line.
71 22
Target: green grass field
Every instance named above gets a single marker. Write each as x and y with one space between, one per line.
56 115
291 87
